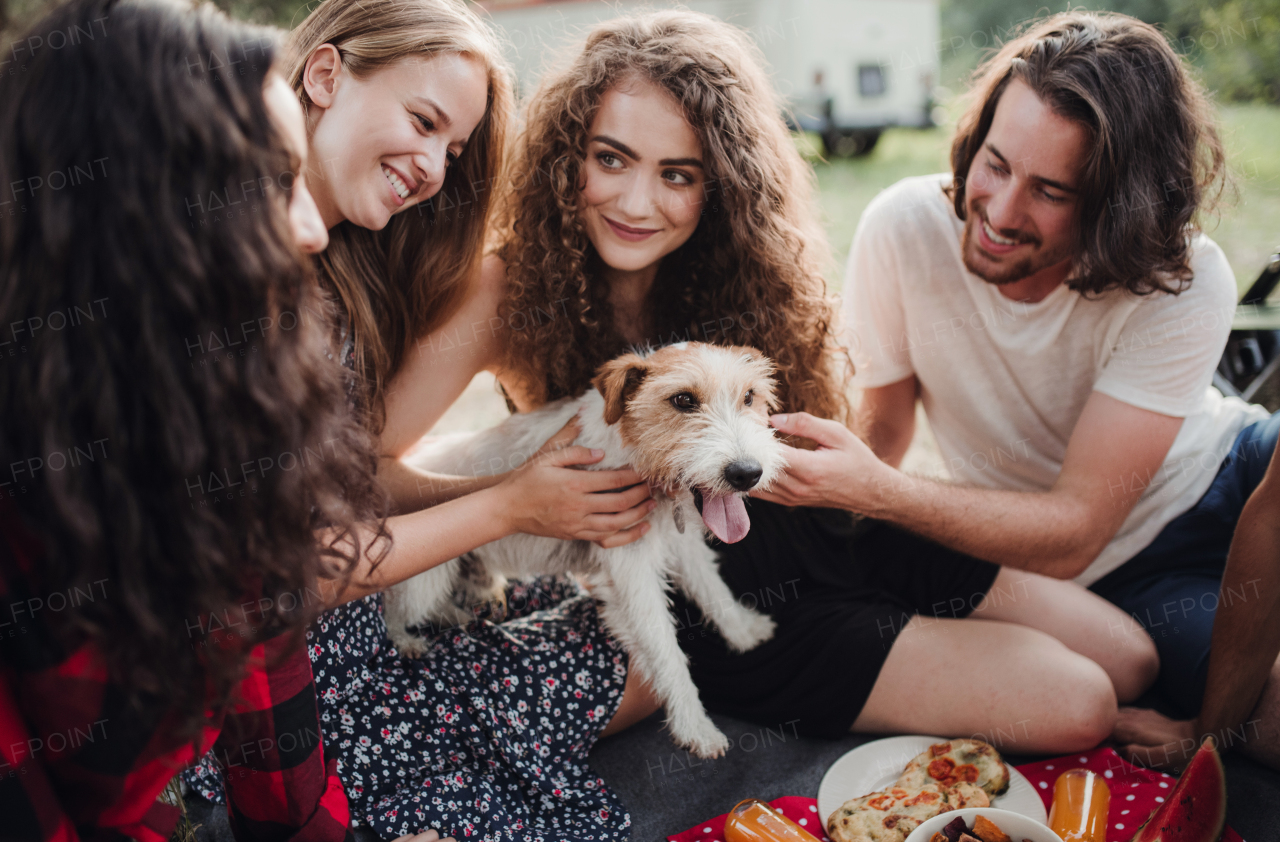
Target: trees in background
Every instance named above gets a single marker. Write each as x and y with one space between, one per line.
1234 43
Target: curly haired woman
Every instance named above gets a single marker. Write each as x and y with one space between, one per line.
658 197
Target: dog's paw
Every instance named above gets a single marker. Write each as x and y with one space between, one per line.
746 629
704 739
409 646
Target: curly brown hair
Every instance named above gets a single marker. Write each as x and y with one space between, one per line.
1155 161
400 283
164 420
751 274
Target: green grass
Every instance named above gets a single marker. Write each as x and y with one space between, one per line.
846 186
1247 225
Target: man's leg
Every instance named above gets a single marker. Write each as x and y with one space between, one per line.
1015 687
965 666
1082 621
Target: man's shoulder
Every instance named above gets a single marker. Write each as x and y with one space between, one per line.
1202 312
1213 283
911 206
1210 266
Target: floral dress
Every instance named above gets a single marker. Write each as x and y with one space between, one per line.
485 736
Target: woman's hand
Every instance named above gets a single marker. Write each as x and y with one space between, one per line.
429 836
1155 740
546 496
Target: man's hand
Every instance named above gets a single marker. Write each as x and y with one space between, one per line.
1154 740
842 473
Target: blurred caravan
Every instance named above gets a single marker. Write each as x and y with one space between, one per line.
847 69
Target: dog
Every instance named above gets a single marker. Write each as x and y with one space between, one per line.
692 419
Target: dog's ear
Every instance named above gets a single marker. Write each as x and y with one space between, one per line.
617 381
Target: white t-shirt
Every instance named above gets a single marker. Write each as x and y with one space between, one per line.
1003 382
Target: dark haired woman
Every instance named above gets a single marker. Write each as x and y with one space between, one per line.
157 560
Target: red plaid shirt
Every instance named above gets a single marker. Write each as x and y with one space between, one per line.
76 762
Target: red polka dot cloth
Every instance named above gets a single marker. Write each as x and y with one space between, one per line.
1135 792
802 811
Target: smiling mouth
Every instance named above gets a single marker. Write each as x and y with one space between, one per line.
396 184
996 238
626 232
994 245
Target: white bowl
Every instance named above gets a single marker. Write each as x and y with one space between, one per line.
1016 825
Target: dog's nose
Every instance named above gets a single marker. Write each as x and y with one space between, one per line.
743 474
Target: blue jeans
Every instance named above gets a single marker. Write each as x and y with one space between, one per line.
1171 587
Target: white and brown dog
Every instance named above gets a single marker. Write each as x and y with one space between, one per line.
692 419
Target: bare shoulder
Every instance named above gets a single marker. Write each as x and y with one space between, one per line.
489 286
483 297
493 275
441 364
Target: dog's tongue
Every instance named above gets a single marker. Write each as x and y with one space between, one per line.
726 517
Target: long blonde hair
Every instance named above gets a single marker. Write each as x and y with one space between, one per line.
751 274
399 283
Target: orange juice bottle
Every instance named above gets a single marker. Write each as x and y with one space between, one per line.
1081 800
755 821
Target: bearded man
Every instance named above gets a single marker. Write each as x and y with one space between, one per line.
1053 305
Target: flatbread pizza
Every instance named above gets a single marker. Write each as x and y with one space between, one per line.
949 776
957 761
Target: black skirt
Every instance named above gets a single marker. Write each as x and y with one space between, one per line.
840 591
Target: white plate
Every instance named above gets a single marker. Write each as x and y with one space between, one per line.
875 765
1013 824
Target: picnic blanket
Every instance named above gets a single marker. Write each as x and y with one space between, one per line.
1135 792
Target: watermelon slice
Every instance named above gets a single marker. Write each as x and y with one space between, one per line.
1197 808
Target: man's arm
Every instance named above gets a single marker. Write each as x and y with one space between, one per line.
1115 452
1246 643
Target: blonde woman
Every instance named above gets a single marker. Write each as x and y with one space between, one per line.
658 197
407 103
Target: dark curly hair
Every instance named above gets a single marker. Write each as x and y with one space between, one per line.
751 274
145 106
1155 159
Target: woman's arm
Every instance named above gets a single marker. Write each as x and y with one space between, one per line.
299 797
434 373
439 517
545 496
